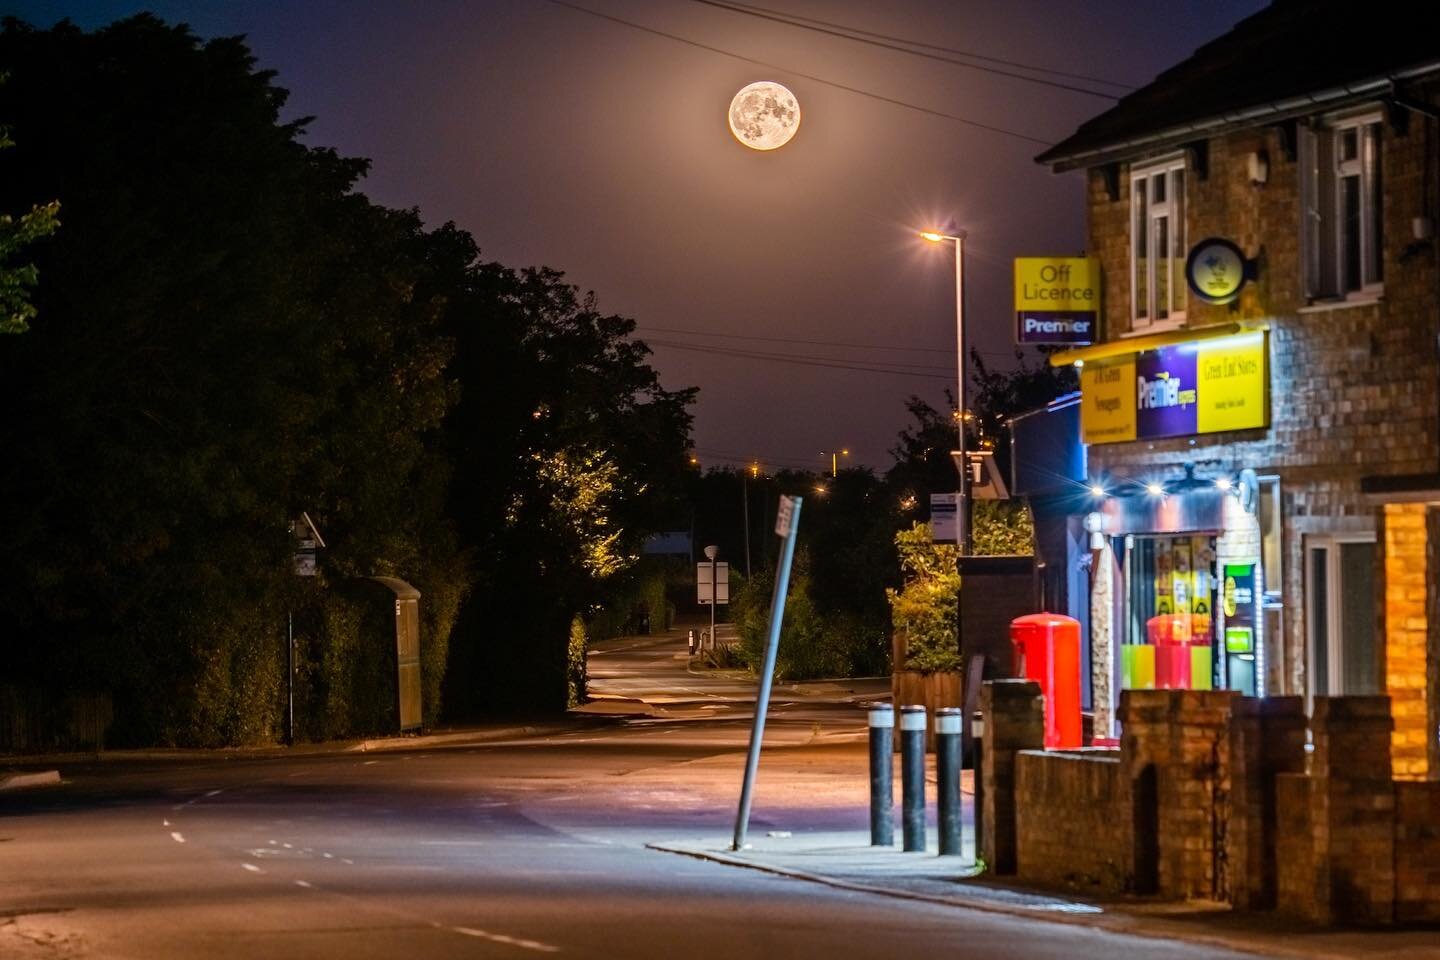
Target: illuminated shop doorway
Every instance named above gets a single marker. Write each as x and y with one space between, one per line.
1170 587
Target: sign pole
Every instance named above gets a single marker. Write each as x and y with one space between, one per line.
788 525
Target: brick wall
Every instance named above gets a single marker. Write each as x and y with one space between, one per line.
1072 820
1267 739
1417 852
1406 633
1014 714
1355 388
1345 873
1183 735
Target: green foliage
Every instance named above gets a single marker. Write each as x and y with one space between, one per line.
813 645
575 664
16 279
925 610
1002 528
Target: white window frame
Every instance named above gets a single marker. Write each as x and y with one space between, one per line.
1322 228
1335 640
1143 316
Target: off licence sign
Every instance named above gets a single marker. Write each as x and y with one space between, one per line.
1057 299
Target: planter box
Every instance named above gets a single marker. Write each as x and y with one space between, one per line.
934 690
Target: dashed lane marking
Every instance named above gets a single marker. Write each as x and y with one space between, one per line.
503 938
177 836
252 868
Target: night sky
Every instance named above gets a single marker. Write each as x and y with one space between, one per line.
560 138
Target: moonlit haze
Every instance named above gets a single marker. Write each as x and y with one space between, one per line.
788 284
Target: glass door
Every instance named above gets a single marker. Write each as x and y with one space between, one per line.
1340 616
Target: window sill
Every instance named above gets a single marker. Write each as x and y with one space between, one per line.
1163 326
1362 299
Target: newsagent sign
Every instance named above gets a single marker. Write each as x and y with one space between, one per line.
1057 299
1177 391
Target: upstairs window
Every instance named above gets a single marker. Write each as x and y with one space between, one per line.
1157 252
1343 226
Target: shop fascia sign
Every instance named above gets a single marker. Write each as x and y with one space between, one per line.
1057 300
1177 390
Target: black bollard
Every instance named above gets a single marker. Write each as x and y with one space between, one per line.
882 778
977 763
912 777
947 778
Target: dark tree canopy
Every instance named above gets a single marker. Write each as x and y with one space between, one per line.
228 333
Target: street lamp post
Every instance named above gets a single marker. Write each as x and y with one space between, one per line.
835 456
958 238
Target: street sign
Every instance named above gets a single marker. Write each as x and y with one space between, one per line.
783 516
945 517
985 480
1057 299
702 582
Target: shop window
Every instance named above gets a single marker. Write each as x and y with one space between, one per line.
1343 209
1157 251
1171 592
1340 616
1271 551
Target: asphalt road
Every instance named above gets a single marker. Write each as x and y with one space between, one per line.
523 846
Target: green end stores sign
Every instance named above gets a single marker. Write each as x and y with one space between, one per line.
1177 390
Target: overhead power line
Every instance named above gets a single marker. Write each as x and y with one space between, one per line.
808 343
906 370
808 76
795 17
872 41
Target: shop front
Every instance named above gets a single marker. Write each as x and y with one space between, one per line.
1187 612
1177 545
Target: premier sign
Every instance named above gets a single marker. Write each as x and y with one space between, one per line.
1057 299
1179 390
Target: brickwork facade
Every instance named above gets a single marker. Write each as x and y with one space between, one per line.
1087 848
1014 714
1337 848
1406 636
1355 384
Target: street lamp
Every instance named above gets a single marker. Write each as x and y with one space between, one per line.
834 460
958 238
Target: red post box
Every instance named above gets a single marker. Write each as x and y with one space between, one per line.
1047 650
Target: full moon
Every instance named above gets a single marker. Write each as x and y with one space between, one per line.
764 115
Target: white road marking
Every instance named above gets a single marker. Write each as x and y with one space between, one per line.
204 796
347 860
453 843
252 868
328 856
369 763
303 883
287 846
177 836
165 822
512 941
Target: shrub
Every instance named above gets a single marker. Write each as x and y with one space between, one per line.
925 610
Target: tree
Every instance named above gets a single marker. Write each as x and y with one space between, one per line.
231 335
567 453
16 280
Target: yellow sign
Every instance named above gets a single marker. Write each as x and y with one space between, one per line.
1230 375
1107 401
1057 299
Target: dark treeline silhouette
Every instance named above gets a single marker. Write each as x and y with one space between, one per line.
228 333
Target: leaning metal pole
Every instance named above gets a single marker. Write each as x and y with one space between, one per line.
762 700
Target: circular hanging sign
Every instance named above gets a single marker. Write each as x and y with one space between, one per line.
1215 270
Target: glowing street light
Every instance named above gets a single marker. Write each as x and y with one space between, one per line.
958 238
834 460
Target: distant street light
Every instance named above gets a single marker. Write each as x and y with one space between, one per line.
958 238
834 460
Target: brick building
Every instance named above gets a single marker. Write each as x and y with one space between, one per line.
1265 466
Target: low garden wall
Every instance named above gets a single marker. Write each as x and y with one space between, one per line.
1072 819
